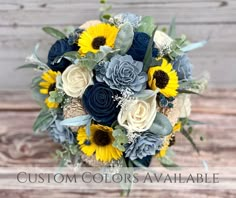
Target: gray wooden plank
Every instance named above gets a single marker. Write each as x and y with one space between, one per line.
38 12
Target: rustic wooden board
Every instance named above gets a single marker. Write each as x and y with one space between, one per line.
21 23
19 147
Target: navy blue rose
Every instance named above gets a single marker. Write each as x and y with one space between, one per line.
58 49
98 101
139 46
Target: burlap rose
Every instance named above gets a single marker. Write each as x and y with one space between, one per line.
138 115
75 80
90 23
73 109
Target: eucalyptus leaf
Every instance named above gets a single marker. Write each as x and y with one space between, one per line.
28 66
193 46
190 139
76 121
147 25
167 162
120 139
35 81
54 32
37 96
43 121
71 56
124 38
185 91
59 83
161 125
172 29
146 94
148 55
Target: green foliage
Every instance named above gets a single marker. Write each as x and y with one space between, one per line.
124 38
167 162
56 96
91 59
54 32
193 46
44 120
186 134
172 29
148 55
187 129
104 11
28 66
161 125
71 56
196 86
121 138
147 25
176 47
69 153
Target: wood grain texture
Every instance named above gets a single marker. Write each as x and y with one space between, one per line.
19 147
21 23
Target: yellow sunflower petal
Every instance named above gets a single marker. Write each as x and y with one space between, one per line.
105 32
43 91
168 79
104 153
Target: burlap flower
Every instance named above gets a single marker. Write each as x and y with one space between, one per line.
73 109
91 161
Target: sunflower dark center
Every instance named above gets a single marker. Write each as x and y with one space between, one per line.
52 87
98 41
162 79
101 138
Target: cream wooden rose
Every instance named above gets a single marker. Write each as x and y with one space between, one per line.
162 40
138 115
75 80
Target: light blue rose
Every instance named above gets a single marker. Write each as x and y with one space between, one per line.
144 145
61 134
183 67
122 18
122 73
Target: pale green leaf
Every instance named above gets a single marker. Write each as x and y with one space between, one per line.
146 25
124 38
161 125
54 32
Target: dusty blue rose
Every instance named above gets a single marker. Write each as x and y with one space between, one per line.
61 134
183 67
140 45
98 101
144 145
122 73
122 18
59 48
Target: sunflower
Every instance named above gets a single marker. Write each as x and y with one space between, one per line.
48 84
95 36
163 77
99 143
169 140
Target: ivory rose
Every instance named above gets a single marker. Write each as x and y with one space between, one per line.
138 115
162 40
75 80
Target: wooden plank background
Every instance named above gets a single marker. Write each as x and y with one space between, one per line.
21 22
19 147
20 29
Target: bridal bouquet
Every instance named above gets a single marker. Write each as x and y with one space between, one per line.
115 91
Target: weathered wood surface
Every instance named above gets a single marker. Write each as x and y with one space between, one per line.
21 23
19 147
